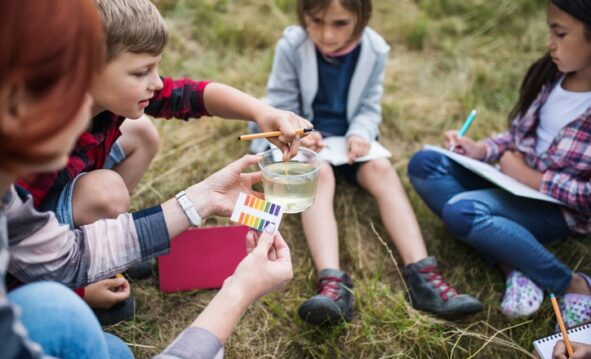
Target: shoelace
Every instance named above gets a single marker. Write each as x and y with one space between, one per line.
436 279
330 287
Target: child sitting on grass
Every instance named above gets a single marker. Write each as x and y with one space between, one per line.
330 70
546 148
112 155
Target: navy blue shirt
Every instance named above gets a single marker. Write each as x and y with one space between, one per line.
330 104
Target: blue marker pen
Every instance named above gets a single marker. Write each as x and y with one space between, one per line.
465 127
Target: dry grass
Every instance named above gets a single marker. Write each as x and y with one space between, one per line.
447 57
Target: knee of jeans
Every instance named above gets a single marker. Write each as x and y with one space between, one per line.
424 163
62 297
459 216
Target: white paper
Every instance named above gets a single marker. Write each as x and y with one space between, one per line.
495 176
335 151
579 334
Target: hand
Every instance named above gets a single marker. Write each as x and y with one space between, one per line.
580 351
464 145
513 164
106 293
287 122
266 268
217 194
356 147
313 141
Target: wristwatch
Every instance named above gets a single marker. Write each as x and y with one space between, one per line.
189 209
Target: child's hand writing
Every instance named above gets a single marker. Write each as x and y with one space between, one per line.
272 119
464 145
580 351
313 141
356 147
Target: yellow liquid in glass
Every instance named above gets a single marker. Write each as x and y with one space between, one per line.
290 184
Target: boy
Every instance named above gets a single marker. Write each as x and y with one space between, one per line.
112 155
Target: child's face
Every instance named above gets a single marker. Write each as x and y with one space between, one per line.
569 48
127 84
331 29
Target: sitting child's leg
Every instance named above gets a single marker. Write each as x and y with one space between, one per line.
334 300
139 142
503 228
427 288
63 326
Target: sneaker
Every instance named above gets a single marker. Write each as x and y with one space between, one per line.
522 296
428 291
140 270
575 308
121 311
334 301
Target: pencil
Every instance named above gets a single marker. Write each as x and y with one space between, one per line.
569 348
119 276
465 127
301 132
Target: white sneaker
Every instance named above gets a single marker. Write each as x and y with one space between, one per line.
522 296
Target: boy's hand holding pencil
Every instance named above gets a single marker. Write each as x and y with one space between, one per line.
287 123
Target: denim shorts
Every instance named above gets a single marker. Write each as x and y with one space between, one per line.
63 209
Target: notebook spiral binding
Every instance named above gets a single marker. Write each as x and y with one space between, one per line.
558 335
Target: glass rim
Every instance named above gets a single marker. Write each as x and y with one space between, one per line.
276 175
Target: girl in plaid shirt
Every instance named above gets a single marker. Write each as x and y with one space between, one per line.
546 148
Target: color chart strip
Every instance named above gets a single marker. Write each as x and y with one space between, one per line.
255 212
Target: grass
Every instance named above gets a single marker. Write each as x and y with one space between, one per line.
447 57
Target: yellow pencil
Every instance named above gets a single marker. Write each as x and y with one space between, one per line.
119 276
300 132
569 348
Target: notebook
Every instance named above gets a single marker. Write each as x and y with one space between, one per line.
335 151
202 258
495 176
579 334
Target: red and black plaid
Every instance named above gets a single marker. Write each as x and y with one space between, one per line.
182 99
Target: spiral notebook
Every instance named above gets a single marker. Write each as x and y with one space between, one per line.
579 334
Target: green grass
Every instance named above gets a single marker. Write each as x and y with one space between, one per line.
447 57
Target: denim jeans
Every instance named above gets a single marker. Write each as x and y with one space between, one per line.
503 227
65 327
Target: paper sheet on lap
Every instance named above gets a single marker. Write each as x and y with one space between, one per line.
495 176
335 151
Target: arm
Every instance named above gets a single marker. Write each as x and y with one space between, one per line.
266 268
575 193
41 248
496 145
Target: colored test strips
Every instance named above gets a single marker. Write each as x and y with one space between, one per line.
256 213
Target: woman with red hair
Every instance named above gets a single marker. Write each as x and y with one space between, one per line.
47 65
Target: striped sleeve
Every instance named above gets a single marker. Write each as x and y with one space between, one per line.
497 145
182 99
41 248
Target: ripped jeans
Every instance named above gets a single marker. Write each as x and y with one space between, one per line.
503 227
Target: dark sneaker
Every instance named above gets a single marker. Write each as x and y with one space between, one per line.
119 312
140 270
428 291
334 301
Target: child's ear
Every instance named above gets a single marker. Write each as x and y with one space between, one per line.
13 109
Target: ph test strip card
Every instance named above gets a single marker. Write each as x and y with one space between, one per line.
255 212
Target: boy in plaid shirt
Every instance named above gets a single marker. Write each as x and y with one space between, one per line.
110 158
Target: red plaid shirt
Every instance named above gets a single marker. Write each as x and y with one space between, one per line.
182 99
566 164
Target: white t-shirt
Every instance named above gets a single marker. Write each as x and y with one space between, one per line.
560 109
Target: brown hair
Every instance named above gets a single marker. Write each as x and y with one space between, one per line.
132 25
360 8
53 60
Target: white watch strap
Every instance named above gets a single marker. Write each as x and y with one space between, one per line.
189 209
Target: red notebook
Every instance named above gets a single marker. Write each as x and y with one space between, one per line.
202 258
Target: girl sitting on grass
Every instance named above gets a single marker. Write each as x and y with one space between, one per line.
547 147
330 70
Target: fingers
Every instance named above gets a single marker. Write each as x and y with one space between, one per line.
251 240
293 148
559 351
252 178
281 248
114 283
246 161
265 241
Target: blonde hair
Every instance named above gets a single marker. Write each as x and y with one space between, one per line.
132 25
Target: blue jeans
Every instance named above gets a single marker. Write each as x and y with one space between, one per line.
62 324
501 226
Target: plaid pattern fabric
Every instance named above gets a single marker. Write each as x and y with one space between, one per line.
182 99
566 164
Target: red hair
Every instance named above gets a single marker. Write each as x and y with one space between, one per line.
51 49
